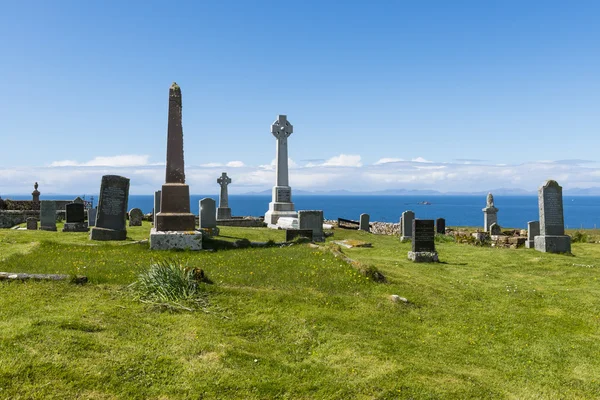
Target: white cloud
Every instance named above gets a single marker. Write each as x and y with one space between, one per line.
235 164
126 160
386 160
343 160
420 160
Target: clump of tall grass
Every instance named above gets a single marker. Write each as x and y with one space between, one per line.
172 285
580 237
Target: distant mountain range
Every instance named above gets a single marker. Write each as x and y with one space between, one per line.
595 191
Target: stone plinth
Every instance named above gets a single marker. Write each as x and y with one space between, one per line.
490 216
175 212
75 227
553 243
160 240
423 256
223 213
104 234
281 206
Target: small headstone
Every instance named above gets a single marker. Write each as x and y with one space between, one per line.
440 226
423 241
135 217
291 234
533 230
157 195
32 224
288 223
489 213
364 223
406 223
495 229
312 219
78 200
75 218
552 238
112 208
92 216
208 213
48 215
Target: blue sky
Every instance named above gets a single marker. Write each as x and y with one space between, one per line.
462 95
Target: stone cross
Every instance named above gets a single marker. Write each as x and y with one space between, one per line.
282 129
224 180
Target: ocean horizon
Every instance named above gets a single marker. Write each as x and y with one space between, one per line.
458 210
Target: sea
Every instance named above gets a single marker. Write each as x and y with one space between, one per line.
514 211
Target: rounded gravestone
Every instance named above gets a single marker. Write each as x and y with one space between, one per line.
135 217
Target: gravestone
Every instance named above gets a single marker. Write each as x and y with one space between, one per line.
48 215
92 216
32 224
157 195
495 229
533 230
552 238
440 226
112 208
281 202
406 223
312 219
78 200
224 212
489 213
75 218
291 234
208 216
364 223
175 224
288 223
423 241
135 217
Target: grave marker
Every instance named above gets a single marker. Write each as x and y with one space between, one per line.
112 208
552 238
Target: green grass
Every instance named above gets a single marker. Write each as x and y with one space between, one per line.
298 323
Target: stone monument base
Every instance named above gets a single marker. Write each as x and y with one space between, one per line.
530 244
210 232
104 234
273 215
75 227
553 244
48 228
423 256
174 240
223 213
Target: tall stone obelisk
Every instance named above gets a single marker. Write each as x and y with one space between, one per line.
281 203
175 212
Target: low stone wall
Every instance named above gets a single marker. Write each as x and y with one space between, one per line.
246 222
10 218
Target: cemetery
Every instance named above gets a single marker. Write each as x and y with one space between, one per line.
108 303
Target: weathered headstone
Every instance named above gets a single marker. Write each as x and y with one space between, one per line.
112 208
440 226
281 203
208 216
135 217
364 223
312 219
75 218
32 224
175 224
91 212
291 234
48 215
406 223
423 241
495 229
533 230
224 212
157 195
552 238
489 213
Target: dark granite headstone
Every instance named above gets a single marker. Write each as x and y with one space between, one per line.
75 212
32 224
552 238
423 232
440 226
112 208
291 234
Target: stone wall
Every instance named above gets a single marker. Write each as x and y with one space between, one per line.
10 218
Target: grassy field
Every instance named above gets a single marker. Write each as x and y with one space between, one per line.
299 323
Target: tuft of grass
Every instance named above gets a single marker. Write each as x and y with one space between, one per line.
169 283
580 237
